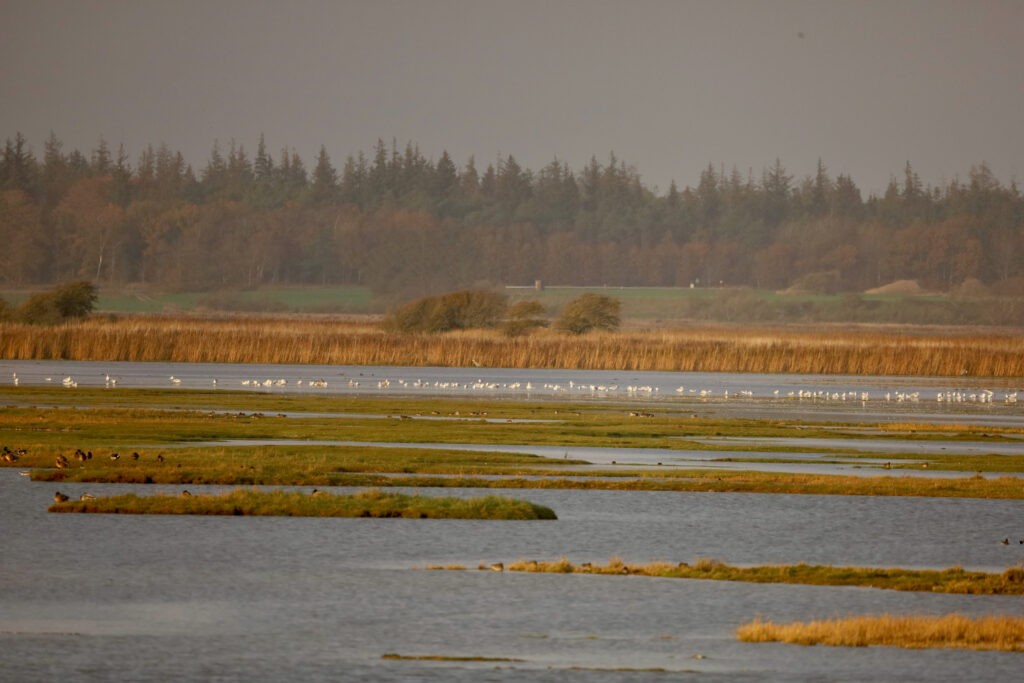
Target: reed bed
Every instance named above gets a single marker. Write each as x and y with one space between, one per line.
369 503
953 580
947 631
710 349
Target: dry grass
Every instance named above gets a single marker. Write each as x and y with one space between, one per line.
711 348
948 631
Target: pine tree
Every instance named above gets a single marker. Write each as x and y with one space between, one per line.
325 180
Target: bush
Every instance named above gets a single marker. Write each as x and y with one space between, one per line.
522 317
72 300
590 312
453 311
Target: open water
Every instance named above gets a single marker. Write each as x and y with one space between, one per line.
158 598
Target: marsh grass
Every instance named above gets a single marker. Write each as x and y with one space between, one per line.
283 465
106 422
390 467
708 349
952 580
946 631
369 503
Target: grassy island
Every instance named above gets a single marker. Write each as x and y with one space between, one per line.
370 503
952 580
947 631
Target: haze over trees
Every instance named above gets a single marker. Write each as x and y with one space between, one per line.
406 226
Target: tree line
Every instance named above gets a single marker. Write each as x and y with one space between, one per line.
406 225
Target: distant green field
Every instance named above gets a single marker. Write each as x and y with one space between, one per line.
274 299
146 303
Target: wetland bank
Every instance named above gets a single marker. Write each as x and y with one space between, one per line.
362 430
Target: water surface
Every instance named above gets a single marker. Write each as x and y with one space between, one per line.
226 598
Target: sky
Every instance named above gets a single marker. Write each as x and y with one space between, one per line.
668 86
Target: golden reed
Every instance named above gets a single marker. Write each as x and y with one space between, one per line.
707 348
945 631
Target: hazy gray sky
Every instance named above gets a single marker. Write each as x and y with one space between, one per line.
669 86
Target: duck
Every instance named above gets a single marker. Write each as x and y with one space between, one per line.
59 497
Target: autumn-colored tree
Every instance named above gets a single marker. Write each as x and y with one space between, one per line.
453 311
589 312
523 317
71 300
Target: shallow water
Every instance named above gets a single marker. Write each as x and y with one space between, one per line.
226 598
825 397
157 598
608 457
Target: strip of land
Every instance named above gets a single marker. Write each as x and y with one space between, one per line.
371 503
952 580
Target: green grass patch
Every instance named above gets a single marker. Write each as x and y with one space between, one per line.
52 424
952 580
279 465
294 299
370 503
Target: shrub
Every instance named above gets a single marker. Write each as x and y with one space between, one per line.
453 311
72 300
522 317
590 312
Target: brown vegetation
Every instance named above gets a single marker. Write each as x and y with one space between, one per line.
713 348
948 631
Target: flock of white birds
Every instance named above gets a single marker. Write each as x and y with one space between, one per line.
981 396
